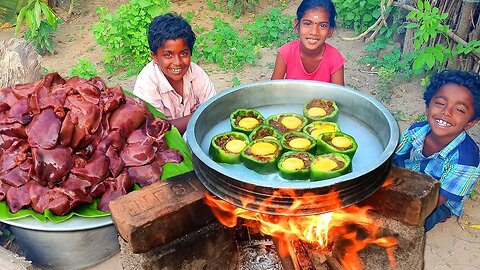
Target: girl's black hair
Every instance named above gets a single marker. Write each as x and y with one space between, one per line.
328 5
169 27
467 79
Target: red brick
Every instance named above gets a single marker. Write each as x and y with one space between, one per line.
161 212
410 198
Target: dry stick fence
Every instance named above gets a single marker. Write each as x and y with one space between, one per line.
463 21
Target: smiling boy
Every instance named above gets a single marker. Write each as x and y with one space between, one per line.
171 82
440 147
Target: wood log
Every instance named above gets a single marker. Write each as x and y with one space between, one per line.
19 63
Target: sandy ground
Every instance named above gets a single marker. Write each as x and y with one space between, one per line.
450 245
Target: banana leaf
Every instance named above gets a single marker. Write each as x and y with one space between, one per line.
9 10
174 140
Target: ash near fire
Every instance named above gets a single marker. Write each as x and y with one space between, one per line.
64 142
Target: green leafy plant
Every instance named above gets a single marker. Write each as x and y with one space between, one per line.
123 34
223 45
358 15
429 24
271 28
41 23
238 7
84 69
235 81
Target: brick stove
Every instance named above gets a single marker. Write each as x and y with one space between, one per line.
168 226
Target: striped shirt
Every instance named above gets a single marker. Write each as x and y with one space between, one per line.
456 166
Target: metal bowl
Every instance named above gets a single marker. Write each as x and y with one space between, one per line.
76 243
367 120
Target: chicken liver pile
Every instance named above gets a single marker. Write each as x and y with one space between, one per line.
67 141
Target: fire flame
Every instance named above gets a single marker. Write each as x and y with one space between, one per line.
352 228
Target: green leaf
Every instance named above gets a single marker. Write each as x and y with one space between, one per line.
427 6
412 25
430 61
51 18
37 11
31 23
20 19
420 5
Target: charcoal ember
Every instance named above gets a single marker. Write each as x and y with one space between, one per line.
259 255
64 142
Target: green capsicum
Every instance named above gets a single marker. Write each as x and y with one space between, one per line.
227 147
285 122
298 141
262 155
245 120
321 110
336 142
295 165
316 128
264 131
328 166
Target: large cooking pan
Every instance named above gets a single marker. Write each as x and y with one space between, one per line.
361 116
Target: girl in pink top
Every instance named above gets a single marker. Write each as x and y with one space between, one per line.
309 57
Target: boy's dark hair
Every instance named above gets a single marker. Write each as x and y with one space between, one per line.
467 79
306 5
169 26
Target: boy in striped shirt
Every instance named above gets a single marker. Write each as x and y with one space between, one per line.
440 146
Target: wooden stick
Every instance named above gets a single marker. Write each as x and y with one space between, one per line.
377 23
450 33
333 263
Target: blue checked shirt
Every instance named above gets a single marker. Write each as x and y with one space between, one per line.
456 166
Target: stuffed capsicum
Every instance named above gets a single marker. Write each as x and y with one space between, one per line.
227 147
298 141
262 155
321 110
316 128
266 132
285 122
295 165
328 166
245 120
336 142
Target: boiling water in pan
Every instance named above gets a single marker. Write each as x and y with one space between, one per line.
369 144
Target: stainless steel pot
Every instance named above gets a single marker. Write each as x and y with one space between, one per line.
73 244
367 120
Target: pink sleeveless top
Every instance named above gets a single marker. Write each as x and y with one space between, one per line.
332 60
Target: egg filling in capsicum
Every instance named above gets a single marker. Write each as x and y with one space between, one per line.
264 131
298 141
295 165
321 110
262 155
328 166
316 128
227 147
286 122
245 120
336 142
